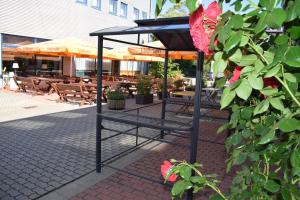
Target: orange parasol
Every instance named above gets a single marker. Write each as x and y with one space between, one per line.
182 55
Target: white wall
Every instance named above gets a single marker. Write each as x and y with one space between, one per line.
53 19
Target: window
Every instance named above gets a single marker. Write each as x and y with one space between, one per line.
82 1
136 13
144 15
113 7
123 10
96 4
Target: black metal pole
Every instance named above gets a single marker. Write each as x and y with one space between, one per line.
99 104
196 115
165 90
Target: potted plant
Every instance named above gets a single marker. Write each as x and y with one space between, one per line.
115 100
160 87
144 95
178 84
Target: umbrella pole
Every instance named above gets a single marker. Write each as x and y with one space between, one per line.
71 65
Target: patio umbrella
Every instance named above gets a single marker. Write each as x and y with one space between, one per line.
61 47
182 55
122 53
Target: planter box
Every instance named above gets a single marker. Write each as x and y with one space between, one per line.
116 104
159 95
142 99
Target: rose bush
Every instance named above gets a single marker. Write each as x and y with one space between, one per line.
259 53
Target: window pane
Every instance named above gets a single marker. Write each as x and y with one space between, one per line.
144 15
136 13
123 11
113 6
82 1
96 4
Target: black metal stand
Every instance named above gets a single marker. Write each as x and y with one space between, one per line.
196 116
139 121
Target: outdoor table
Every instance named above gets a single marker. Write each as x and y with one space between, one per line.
210 94
127 85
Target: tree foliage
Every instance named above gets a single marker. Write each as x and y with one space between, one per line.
264 100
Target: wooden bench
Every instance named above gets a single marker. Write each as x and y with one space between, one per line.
26 84
74 93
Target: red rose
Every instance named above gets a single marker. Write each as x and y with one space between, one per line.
165 168
271 82
202 26
236 74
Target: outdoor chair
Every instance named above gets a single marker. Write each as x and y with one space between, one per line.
75 93
26 84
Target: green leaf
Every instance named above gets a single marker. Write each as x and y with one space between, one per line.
218 56
262 22
269 56
290 77
286 194
248 60
185 172
277 17
227 97
291 12
236 21
247 112
267 137
268 4
294 32
244 89
292 56
272 72
268 91
288 125
247 70
198 179
272 186
224 34
244 41
233 41
256 82
219 66
277 103
295 158
236 57
282 39
258 66
237 6
240 159
192 5
261 107
178 188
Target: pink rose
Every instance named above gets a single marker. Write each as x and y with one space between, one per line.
165 168
202 26
236 75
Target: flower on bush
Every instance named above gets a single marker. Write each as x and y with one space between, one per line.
271 82
202 26
236 75
165 168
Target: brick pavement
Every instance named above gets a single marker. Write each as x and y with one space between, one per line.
123 186
42 153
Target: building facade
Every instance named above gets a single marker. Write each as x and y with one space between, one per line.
31 21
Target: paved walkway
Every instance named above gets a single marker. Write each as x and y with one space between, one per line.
56 152
120 186
18 105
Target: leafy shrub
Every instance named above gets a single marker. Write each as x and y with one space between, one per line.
143 86
115 95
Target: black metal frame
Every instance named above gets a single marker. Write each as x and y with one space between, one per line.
164 129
